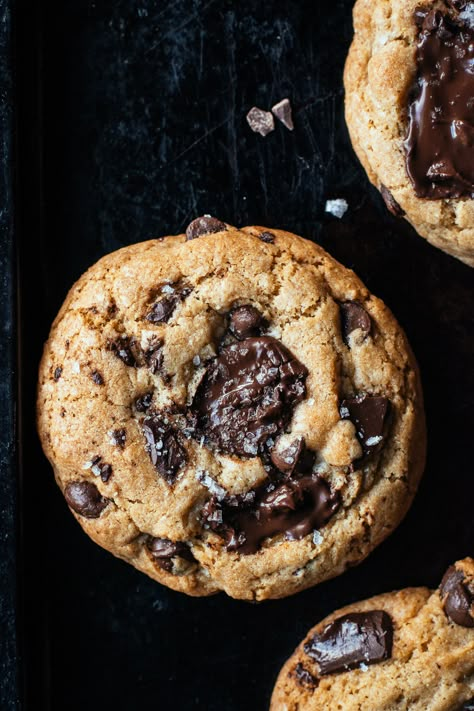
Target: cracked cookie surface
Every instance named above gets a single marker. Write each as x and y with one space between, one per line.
411 650
231 410
385 91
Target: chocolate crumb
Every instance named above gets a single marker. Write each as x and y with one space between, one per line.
97 377
268 237
304 677
143 402
163 551
260 121
391 203
282 110
57 373
122 348
118 438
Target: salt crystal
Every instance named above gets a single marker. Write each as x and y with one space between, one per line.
261 122
338 208
317 538
196 360
372 441
167 289
363 667
467 15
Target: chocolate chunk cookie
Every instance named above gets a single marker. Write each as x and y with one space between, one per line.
412 649
410 111
258 425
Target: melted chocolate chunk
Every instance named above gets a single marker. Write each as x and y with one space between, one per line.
268 237
295 508
97 377
245 322
369 415
123 349
458 598
118 438
162 444
353 317
85 499
440 142
351 640
294 458
164 550
247 395
205 225
163 309
154 357
57 373
143 403
391 203
304 677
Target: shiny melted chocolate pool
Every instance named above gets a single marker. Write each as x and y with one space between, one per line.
440 142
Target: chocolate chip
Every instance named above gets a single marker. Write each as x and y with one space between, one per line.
268 237
457 598
260 121
351 640
97 377
304 677
369 415
245 321
122 348
295 508
295 457
85 499
353 317
282 111
143 402
163 551
163 309
57 373
205 225
247 395
391 203
154 356
163 445
118 438
105 472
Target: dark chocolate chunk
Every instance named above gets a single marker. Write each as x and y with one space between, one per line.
304 677
369 415
97 377
458 599
354 316
154 356
57 373
391 203
163 445
123 349
283 112
260 121
294 458
164 550
163 309
245 321
118 437
295 508
143 402
268 237
351 640
85 499
247 395
440 142
205 225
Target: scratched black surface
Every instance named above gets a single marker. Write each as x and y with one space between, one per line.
135 115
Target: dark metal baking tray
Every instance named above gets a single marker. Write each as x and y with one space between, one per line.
130 120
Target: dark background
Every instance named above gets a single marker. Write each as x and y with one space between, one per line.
131 122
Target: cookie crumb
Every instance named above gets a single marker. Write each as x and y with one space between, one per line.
260 121
282 110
